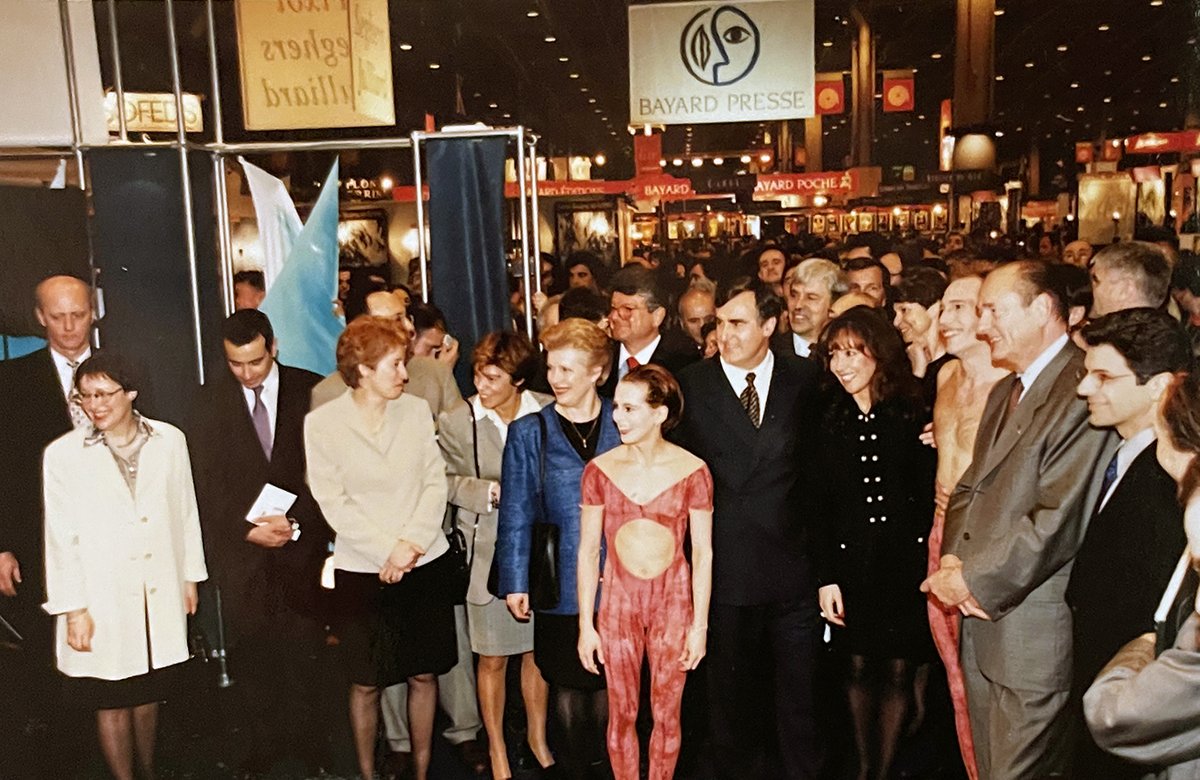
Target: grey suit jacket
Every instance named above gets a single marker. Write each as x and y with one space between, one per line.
1017 518
469 491
1152 716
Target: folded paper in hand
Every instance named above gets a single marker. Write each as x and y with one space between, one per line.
273 500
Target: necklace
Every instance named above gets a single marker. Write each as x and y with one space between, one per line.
583 438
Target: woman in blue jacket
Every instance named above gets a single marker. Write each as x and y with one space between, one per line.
543 462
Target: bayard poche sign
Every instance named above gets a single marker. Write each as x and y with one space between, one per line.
699 62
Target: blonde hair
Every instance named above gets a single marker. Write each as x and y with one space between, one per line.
575 333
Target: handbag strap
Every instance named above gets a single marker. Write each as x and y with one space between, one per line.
542 467
474 437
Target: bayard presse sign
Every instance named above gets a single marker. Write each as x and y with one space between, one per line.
698 62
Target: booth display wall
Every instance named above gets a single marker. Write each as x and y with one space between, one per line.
42 232
141 256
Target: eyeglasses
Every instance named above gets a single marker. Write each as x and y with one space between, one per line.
91 398
627 310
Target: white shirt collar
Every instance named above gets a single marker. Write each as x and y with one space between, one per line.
270 394
762 377
1030 375
529 405
62 364
800 345
643 355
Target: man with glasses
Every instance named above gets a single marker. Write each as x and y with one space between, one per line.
41 406
636 314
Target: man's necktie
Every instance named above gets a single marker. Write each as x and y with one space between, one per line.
630 363
749 399
1014 398
262 423
1110 477
79 418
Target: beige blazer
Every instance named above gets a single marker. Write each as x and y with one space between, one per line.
469 493
428 379
124 557
377 488
1017 518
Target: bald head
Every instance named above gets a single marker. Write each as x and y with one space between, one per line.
696 307
64 309
390 306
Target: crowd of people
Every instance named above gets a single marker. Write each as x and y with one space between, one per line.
734 471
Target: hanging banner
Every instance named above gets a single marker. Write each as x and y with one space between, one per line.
153 112
1155 143
831 93
701 62
898 90
1085 152
647 151
315 63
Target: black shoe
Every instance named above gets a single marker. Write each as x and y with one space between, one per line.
475 756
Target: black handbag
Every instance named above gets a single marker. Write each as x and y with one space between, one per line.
543 550
458 565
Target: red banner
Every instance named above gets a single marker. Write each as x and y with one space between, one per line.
1110 151
1085 152
832 182
1154 143
898 90
831 93
647 151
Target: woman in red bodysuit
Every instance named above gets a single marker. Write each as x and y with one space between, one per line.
643 497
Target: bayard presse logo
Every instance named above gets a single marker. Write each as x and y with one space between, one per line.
720 45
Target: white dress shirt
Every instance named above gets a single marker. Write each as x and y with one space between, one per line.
529 405
800 345
762 379
270 396
1030 375
642 356
62 365
1127 453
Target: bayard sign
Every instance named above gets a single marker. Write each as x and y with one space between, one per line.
697 62
315 63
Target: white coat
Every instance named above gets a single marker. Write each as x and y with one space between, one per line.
125 558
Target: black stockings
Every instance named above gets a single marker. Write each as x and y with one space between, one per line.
878 694
583 720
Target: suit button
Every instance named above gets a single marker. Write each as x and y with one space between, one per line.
153 591
146 556
967 535
145 519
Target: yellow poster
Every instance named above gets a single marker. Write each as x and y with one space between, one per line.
315 63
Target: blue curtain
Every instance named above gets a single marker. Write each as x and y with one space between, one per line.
467 263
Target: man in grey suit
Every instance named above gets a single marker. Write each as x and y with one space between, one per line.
1013 526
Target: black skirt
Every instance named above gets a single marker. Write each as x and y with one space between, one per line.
388 633
92 693
556 651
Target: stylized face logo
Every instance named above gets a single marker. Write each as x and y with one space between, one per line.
720 45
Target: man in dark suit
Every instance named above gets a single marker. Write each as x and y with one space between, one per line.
37 389
1014 523
1135 536
745 414
636 314
248 433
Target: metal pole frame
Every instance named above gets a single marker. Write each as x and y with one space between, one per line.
185 178
220 189
118 78
526 144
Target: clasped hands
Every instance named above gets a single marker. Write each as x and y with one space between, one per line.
948 586
402 560
271 531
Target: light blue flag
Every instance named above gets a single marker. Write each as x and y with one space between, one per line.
300 302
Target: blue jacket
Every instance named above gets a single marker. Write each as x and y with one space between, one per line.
520 473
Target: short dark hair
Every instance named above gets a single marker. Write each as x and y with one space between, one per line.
920 285
1186 275
1034 278
426 316
253 278
637 279
765 300
511 352
863 263
245 325
582 303
112 365
1150 340
1145 262
661 390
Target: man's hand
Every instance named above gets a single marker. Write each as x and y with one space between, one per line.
1134 655
947 583
271 531
448 353
518 605
191 597
10 574
971 608
80 629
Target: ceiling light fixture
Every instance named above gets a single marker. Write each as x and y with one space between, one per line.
1074 85
677 162
999 133
998 12
1145 58
574 75
434 66
564 59
1062 47
718 161
999 78
1029 64
745 158
493 105
827 44
550 39
406 47
697 162
532 14
662 163
601 159
766 158
1103 28
937 55
591 100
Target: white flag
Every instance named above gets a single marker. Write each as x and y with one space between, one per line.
278 221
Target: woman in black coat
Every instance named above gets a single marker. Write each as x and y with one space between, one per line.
875 508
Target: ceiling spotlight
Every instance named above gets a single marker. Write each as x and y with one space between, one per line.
603 119
596 110
998 12
574 75
662 163
1162 105
1145 58
564 59
745 158
937 55
591 100
999 133
493 105
1103 28
1029 64
697 162
1155 3
718 161
1074 85
550 39
1174 79
506 115
677 162
434 66
1107 100
406 47
820 200
999 78
827 44
386 183
1079 108
600 159
1061 47
532 14
766 158
583 89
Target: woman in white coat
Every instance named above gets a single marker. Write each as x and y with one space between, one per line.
123 556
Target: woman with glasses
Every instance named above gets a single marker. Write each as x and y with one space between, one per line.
123 556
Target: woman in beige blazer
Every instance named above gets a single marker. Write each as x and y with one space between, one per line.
472 436
123 556
375 469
